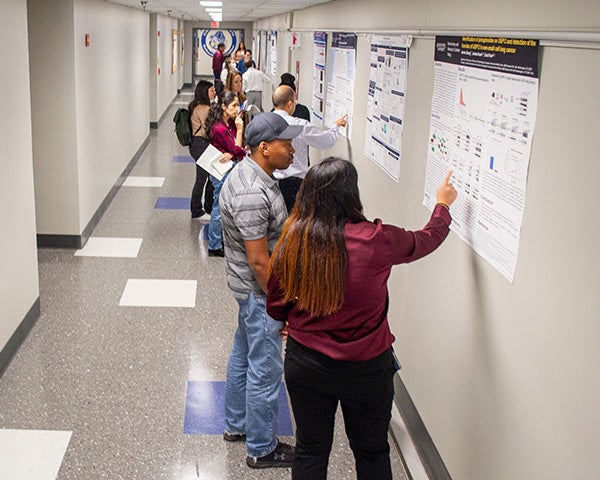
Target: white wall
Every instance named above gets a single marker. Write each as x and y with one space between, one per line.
503 375
51 60
90 105
167 82
19 287
111 94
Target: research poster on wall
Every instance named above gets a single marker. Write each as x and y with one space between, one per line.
341 68
385 101
318 98
482 120
272 53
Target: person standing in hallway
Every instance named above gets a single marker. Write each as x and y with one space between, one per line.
253 81
217 66
284 101
225 129
240 51
241 63
235 84
200 106
301 111
228 67
253 213
328 281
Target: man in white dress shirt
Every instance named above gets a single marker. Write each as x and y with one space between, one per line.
284 101
253 81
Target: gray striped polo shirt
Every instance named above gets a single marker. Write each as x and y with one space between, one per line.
251 207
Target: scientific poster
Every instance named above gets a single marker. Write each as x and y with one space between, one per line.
318 98
272 53
341 68
482 120
385 101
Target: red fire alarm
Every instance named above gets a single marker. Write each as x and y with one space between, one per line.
87 39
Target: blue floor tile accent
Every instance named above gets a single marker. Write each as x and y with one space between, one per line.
183 159
204 412
172 203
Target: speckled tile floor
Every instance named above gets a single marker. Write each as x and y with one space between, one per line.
109 382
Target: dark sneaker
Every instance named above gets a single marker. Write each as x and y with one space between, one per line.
280 457
234 437
216 253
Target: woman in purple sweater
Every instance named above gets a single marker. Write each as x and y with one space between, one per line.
328 281
225 130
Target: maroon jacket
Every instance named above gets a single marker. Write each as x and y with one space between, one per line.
217 63
359 330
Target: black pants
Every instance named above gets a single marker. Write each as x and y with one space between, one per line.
202 188
289 188
365 390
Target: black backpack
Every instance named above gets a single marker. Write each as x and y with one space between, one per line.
183 126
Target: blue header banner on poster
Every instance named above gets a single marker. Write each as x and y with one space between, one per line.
509 55
211 38
343 40
320 38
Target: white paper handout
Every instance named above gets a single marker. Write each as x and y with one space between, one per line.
210 161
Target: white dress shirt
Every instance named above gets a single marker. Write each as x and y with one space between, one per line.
310 136
253 80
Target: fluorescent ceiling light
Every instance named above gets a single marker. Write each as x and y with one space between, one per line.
211 4
214 10
217 17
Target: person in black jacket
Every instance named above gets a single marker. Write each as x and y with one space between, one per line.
301 111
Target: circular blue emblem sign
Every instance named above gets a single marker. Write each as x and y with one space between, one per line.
210 39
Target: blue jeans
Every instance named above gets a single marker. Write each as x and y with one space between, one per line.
215 227
254 373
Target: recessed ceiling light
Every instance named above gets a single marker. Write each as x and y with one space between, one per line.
211 4
214 9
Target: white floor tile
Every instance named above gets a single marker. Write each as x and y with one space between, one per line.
32 454
110 247
159 293
132 181
181 103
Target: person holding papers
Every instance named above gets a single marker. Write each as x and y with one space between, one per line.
225 130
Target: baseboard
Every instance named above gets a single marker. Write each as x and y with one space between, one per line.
420 455
18 337
58 241
187 85
155 125
78 241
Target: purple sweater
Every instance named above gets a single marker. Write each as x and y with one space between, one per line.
360 331
222 136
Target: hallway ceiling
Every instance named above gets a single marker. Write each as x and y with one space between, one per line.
233 10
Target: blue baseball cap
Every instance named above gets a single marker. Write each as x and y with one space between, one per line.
269 126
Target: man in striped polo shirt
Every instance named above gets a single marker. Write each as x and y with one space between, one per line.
253 213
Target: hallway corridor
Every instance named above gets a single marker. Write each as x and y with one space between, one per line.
122 375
